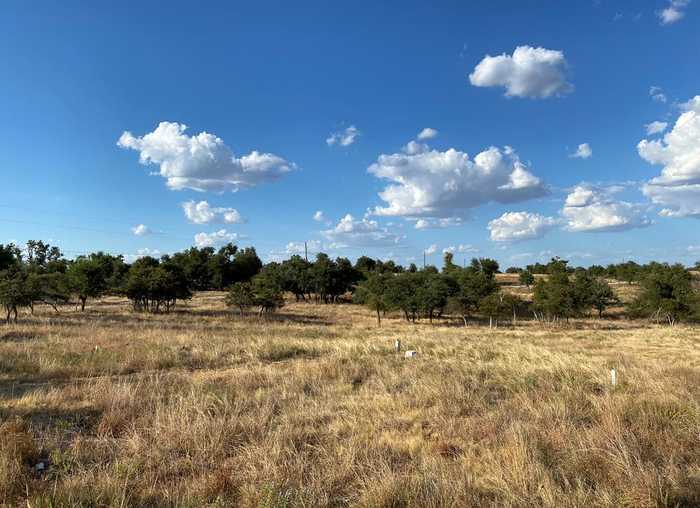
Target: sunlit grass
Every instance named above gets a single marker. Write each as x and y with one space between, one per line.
314 408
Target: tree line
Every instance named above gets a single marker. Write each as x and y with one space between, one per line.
40 273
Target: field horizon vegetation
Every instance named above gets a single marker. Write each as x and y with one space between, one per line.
206 378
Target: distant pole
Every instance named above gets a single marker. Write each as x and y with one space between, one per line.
424 260
306 252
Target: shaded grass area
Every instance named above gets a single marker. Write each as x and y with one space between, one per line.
207 409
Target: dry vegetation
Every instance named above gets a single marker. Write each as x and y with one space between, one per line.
314 408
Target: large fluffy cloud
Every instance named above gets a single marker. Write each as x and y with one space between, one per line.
203 213
528 72
519 226
352 232
589 208
675 200
202 162
432 183
214 239
677 188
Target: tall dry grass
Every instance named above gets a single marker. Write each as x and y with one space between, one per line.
314 408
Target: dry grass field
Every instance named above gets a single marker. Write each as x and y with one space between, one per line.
314 408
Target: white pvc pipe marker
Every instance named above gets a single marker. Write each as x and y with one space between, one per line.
613 377
397 345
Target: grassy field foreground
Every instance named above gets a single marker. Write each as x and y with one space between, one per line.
314 408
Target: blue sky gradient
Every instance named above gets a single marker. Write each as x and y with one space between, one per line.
280 78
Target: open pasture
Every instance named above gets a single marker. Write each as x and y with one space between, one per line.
313 407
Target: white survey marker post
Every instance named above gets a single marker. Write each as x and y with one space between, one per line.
397 345
613 377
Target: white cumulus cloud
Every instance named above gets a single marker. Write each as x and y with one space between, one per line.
203 213
141 253
141 230
466 248
520 226
300 248
427 133
215 239
352 232
528 72
655 127
677 188
673 12
445 184
202 162
445 222
345 137
583 151
414 148
431 249
591 209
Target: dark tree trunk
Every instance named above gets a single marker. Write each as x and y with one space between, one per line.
83 299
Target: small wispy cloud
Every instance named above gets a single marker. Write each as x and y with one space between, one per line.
674 12
583 151
345 137
657 94
142 230
655 127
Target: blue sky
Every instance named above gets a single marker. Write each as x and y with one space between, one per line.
270 83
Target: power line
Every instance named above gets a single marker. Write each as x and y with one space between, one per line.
88 229
54 211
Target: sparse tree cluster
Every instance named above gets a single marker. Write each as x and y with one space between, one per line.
667 295
562 295
39 273
265 291
428 293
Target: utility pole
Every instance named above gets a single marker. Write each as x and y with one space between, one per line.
423 260
306 252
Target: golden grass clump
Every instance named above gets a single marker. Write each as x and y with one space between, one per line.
313 407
